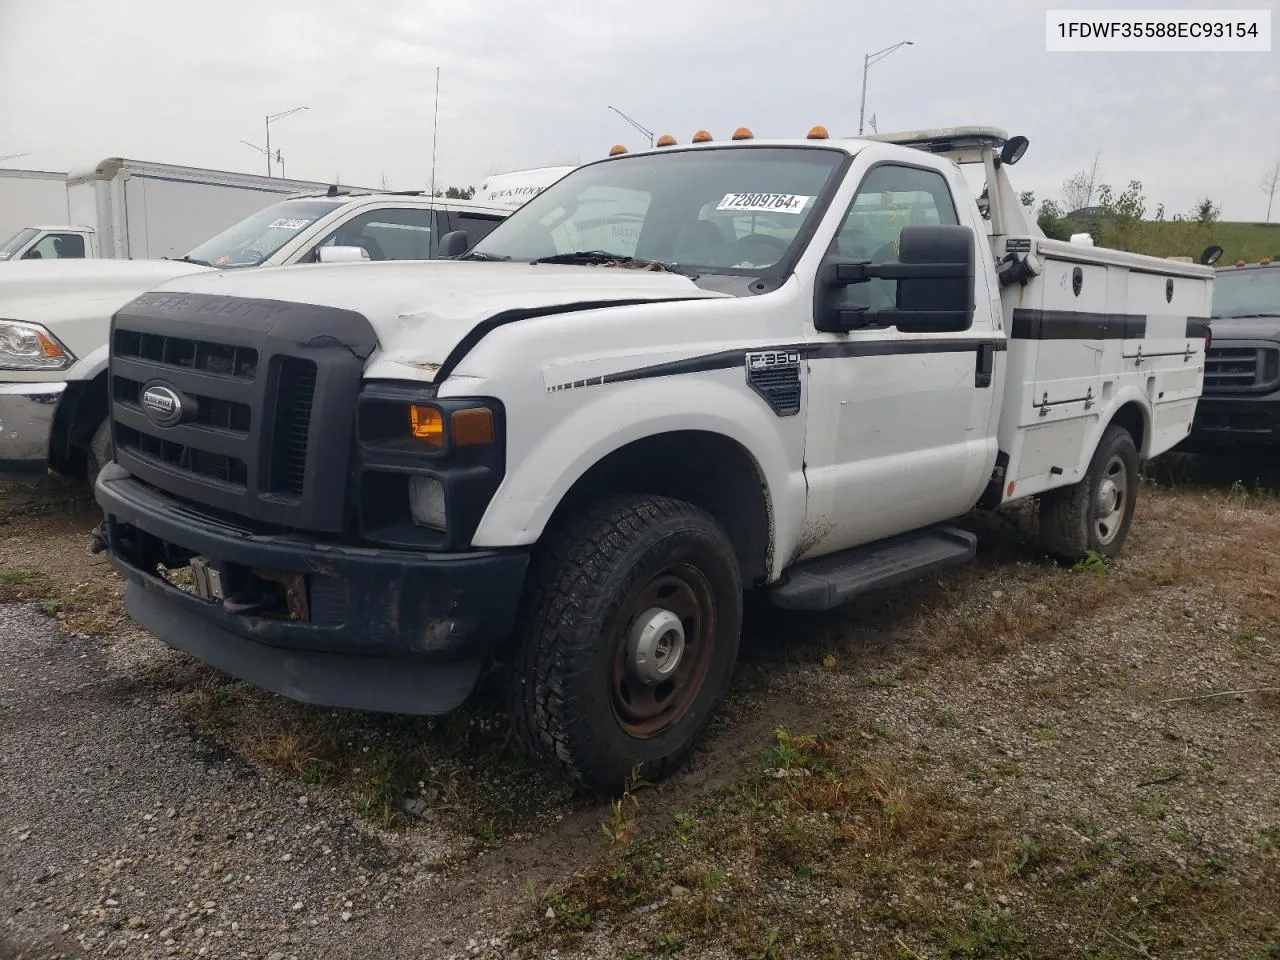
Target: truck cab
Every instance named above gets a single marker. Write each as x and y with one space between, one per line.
50 243
671 377
1240 412
55 316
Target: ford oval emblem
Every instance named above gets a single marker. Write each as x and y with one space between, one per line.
162 404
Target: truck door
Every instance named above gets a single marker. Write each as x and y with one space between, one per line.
901 426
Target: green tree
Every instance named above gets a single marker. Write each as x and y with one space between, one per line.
1052 223
457 193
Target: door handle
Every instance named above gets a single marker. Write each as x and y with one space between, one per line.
986 364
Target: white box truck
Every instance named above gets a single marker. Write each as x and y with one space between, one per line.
134 210
570 450
30 197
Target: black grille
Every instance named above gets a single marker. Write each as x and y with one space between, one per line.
251 377
1241 369
295 393
213 466
210 411
221 358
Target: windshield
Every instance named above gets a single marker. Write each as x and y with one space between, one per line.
17 242
257 237
732 210
1245 292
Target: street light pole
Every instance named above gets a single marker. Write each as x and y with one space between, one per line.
867 61
267 124
643 129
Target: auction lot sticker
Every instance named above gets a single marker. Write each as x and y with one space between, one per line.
763 202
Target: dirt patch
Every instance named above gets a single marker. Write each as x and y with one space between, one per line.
45 534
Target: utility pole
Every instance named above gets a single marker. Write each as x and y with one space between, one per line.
867 61
272 118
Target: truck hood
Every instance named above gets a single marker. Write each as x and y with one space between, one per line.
421 310
46 287
1245 328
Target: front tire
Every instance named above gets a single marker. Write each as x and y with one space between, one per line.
100 451
1095 514
627 640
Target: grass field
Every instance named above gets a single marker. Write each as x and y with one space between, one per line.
1244 241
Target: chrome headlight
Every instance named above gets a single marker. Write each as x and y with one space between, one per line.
29 346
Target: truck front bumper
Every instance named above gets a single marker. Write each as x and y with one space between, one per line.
1236 421
362 628
26 422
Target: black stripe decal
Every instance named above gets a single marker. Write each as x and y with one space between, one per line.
1197 327
1076 325
482 329
889 348
728 359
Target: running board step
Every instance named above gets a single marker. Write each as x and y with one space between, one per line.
827 582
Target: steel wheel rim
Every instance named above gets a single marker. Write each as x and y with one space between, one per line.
1111 500
646 702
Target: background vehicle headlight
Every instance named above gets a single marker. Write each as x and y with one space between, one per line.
29 346
426 502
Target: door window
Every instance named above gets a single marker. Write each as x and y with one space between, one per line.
891 197
476 225
395 233
57 246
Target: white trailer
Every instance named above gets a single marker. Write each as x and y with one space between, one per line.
134 209
512 190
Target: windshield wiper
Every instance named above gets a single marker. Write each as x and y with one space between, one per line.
605 257
477 255
198 263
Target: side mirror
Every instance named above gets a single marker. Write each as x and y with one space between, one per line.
336 254
453 244
1211 255
1013 150
935 278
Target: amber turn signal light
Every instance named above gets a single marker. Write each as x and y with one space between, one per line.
471 428
426 423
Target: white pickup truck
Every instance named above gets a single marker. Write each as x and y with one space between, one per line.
798 362
55 315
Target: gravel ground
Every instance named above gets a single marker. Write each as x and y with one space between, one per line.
153 809
127 836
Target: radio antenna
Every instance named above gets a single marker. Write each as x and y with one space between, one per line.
435 127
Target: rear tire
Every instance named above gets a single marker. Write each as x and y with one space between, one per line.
100 451
627 640
1096 513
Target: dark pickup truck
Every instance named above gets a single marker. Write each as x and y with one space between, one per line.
1240 407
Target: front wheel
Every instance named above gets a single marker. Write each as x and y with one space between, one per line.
100 451
627 640
1095 514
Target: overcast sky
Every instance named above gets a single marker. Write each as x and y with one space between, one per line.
527 83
